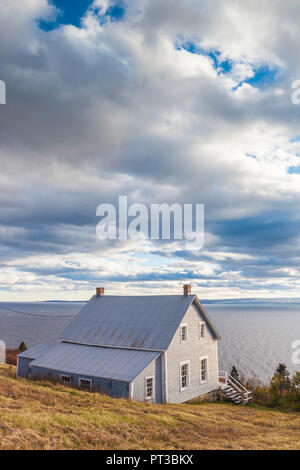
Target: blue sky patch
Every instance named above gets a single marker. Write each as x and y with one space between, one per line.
69 13
263 76
251 155
294 170
115 12
222 66
73 12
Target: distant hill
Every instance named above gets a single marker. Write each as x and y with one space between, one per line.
241 301
252 301
41 415
64 301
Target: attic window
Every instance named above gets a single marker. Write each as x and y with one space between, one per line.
183 333
149 387
202 330
85 384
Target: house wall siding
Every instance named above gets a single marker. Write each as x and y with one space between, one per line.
23 367
114 388
192 350
139 384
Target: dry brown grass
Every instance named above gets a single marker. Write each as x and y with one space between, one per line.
11 356
45 416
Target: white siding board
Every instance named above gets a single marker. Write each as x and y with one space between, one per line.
152 370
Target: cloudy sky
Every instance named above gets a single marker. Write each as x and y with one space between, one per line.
162 101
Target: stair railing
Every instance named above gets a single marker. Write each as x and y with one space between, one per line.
226 378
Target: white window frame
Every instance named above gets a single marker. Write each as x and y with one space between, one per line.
200 326
188 386
67 376
87 380
184 325
202 358
153 382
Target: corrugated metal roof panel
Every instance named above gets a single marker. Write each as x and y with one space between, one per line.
108 363
36 351
144 322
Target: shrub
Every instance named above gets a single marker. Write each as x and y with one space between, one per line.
281 392
22 347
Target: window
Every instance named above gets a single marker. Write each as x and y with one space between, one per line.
65 379
184 375
203 369
149 387
202 330
183 333
85 384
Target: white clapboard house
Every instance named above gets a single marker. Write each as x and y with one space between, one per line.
161 348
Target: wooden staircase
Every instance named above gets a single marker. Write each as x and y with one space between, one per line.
233 389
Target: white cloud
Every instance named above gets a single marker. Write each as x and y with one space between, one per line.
115 108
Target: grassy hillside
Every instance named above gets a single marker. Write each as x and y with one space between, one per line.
47 416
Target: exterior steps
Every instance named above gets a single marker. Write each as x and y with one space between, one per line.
233 395
234 390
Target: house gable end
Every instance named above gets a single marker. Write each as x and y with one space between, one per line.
203 316
189 350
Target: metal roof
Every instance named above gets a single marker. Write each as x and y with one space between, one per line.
36 351
141 322
92 361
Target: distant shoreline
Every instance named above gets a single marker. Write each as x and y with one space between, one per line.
239 301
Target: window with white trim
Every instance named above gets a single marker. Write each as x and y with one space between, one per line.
85 384
184 375
65 379
203 369
149 387
202 330
183 333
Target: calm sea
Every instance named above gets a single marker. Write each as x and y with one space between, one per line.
254 338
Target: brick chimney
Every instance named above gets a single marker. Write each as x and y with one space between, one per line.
99 291
187 289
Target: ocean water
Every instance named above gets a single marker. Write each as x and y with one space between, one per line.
36 322
254 338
